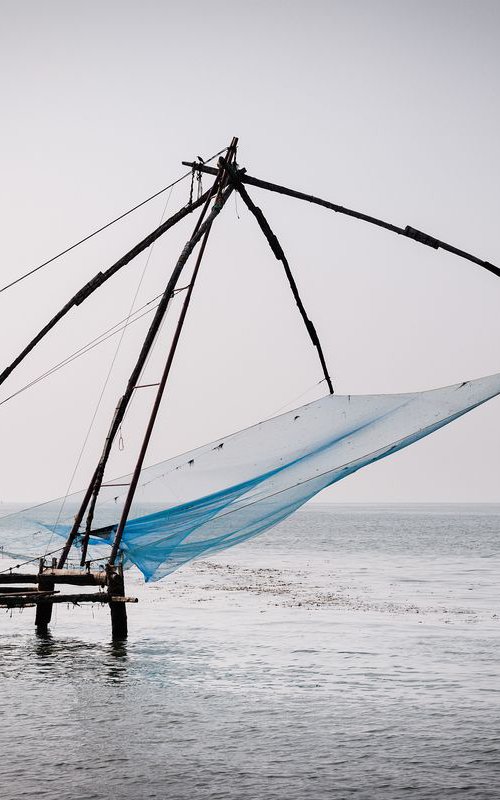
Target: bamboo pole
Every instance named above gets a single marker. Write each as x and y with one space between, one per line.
101 278
280 255
90 498
202 233
97 477
408 231
18 577
66 576
104 598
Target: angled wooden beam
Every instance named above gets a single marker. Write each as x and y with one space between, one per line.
101 278
201 232
408 231
46 598
280 255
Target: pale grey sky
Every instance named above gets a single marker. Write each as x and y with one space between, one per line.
388 107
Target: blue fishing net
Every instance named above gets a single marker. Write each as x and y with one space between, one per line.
228 491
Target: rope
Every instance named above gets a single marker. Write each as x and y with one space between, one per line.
150 252
30 561
299 397
104 387
86 348
103 337
110 370
102 228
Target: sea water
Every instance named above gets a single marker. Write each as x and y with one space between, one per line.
352 652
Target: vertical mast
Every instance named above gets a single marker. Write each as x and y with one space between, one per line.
94 488
97 478
222 195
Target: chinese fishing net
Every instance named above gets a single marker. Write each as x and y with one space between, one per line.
228 491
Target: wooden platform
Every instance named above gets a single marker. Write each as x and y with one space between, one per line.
110 590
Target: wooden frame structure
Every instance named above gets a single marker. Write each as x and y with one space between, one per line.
109 582
110 590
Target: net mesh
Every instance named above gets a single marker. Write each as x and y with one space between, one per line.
241 485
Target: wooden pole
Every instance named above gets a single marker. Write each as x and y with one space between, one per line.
221 199
44 611
44 598
118 610
92 495
97 477
66 576
280 255
94 488
408 231
101 278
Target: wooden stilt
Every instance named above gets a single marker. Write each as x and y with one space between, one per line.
44 596
118 610
44 610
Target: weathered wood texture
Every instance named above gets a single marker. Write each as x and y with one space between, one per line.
25 592
69 576
18 577
48 598
202 231
18 590
280 255
100 278
149 340
408 231
118 610
46 587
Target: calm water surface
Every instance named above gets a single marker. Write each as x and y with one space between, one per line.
352 652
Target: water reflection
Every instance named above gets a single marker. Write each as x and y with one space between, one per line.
44 643
117 660
74 661
50 659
